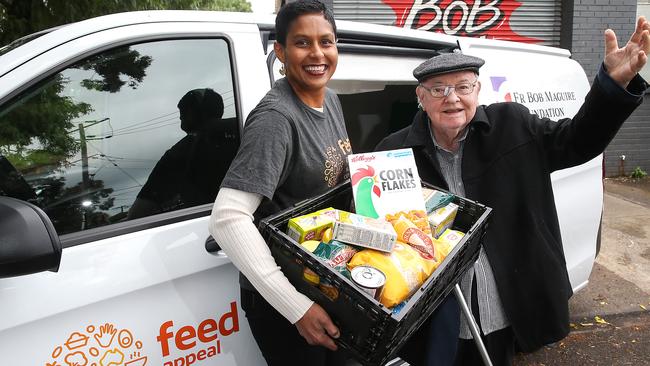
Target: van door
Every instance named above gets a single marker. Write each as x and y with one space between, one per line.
122 138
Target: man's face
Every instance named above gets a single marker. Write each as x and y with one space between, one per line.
454 111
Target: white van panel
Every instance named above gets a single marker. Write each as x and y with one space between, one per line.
120 281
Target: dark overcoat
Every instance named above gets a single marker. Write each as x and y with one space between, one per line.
508 157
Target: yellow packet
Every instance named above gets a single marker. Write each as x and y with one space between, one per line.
409 233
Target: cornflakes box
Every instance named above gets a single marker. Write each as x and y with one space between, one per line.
386 183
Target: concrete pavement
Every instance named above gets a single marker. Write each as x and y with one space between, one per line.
610 318
620 281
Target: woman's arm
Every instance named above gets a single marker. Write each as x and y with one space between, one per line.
232 227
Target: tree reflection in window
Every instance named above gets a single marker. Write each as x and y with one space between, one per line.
38 137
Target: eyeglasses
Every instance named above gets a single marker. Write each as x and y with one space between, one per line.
439 91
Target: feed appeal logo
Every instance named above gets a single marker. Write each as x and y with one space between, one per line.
105 345
204 336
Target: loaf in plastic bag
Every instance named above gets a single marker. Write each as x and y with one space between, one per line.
405 269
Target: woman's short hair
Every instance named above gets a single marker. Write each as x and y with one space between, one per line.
291 11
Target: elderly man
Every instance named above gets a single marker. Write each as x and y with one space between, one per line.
502 155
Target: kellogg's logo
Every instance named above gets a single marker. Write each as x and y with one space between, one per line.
363 158
470 18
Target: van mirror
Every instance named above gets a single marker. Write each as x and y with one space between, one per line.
28 241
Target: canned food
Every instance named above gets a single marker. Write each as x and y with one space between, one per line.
369 279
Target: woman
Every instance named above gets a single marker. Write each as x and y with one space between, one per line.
293 147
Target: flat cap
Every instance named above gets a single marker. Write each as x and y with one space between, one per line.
447 62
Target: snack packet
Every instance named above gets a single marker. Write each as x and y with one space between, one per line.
409 233
447 241
336 255
405 269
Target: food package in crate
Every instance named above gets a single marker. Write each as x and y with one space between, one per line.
332 224
442 219
312 226
322 276
405 269
446 242
364 231
434 199
387 185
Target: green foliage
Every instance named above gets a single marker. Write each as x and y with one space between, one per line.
638 173
33 159
23 125
19 18
111 65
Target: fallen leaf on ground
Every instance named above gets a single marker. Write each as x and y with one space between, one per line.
586 324
600 320
642 307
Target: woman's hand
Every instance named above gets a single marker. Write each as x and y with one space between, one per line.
317 328
624 63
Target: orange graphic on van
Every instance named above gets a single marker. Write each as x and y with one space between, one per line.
104 345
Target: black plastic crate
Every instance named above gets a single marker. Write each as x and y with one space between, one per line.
369 330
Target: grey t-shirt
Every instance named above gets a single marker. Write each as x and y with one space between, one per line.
289 151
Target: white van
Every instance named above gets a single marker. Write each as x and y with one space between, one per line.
87 110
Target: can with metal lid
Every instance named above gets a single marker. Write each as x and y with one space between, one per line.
369 279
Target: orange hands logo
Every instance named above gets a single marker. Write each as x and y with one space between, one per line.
105 335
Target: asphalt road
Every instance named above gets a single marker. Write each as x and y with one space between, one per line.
610 318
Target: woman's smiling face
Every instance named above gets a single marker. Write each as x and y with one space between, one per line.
310 55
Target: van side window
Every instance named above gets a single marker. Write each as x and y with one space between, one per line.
127 133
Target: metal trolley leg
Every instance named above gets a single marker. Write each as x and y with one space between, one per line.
473 327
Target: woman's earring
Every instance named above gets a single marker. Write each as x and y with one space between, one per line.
282 70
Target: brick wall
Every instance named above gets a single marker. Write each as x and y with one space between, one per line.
590 19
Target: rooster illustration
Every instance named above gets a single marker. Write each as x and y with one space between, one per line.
364 182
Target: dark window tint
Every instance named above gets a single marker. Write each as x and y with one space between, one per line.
127 133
